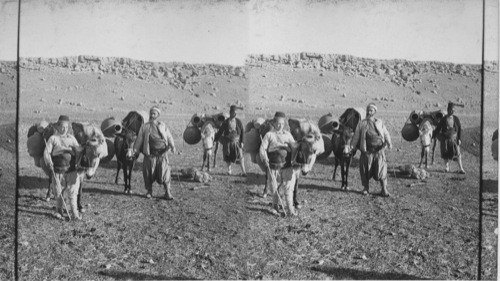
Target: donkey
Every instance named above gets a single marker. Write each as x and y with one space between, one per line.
86 163
125 157
306 132
299 161
341 142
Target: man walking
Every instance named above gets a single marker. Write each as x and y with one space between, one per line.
372 137
154 141
450 130
59 158
275 146
231 136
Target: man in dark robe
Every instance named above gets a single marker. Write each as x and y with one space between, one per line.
230 134
449 130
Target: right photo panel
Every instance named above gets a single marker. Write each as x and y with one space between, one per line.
366 126
489 194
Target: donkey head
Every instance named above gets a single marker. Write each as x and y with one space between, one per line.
130 137
304 153
93 150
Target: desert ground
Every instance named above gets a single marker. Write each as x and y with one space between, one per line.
225 230
490 178
8 90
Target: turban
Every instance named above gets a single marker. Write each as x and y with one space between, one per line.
451 105
372 105
234 107
155 108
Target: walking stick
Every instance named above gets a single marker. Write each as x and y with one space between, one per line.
58 184
60 192
274 180
276 191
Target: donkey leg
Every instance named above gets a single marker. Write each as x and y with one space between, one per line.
295 192
347 172
215 152
335 168
433 150
79 197
126 177
342 174
118 168
208 162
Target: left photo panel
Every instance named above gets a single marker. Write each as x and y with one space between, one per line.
8 103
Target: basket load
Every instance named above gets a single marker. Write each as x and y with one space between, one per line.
134 121
192 133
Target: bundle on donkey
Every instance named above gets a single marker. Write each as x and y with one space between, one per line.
421 124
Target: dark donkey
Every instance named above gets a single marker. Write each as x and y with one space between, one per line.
341 142
125 157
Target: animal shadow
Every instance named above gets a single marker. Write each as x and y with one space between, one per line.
490 186
355 274
127 275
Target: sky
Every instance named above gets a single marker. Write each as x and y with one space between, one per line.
225 32
8 29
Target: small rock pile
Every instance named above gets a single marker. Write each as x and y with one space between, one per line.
8 68
414 172
400 72
197 176
179 75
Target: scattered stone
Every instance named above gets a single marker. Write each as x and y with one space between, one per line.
282 98
344 95
321 74
106 266
434 92
79 104
43 100
99 77
43 79
122 98
418 92
213 94
320 262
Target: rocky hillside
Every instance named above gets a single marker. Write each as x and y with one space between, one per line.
8 82
180 75
400 72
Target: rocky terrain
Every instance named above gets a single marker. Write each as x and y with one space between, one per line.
179 75
8 97
225 230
